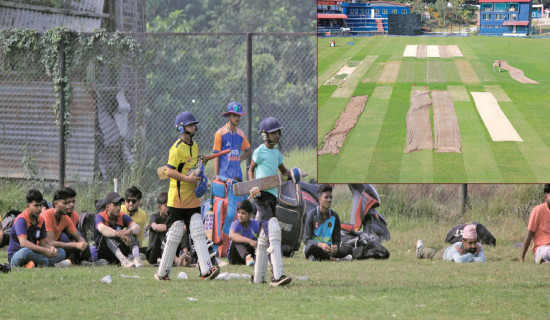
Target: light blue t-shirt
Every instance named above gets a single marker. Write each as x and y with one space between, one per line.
268 162
452 254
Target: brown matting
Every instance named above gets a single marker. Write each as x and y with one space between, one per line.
335 138
515 73
422 51
444 52
419 129
446 131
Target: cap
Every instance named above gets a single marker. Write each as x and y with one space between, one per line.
113 197
235 108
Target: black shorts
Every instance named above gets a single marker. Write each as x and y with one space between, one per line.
178 214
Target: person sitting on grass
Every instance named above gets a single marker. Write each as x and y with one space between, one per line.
538 230
243 234
132 198
467 250
112 242
58 223
29 246
322 231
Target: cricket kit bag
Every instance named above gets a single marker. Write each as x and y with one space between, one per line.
290 212
224 211
7 223
365 245
483 234
363 212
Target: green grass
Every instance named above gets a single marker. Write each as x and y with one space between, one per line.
401 287
377 154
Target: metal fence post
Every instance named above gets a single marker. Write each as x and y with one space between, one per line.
61 115
249 82
464 196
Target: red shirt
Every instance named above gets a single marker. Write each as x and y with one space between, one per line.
539 223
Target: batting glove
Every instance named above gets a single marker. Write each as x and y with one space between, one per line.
254 193
295 174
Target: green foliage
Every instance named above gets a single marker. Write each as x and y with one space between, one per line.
79 50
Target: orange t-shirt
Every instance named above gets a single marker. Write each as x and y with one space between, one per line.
52 225
74 217
539 223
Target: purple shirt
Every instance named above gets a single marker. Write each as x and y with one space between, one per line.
23 227
251 232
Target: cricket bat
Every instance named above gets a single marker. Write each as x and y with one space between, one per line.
274 181
161 171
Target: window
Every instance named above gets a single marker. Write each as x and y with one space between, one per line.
394 11
403 11
362 11
384 11
489 26
498 16
486 16
513 16
376 11
511 6
486 7
500 6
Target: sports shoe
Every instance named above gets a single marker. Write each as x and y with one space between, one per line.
419 244
212 274
311 258
63 264
249 260
127 263
349 257
281 282
29 265
101 263
138 263
165 278
141 255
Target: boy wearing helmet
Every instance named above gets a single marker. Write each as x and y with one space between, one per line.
183 204
231 137
267 160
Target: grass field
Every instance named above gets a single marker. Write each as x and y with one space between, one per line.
401 287
373 150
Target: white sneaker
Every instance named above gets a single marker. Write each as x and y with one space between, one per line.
349 257
125 263
419 244
63 264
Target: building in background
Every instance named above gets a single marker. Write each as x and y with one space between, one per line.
371 16
505 18
330 17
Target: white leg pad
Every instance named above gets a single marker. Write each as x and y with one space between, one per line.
275 239
260 265
198 236
173 239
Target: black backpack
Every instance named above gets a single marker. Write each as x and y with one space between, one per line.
365 245
7 224
483 234
290 212
86 225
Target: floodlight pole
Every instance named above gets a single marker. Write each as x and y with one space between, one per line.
249 90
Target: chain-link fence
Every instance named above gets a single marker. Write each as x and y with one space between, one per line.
123 113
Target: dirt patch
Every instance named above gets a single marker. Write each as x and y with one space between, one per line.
495 120
435 71
515 73
497 92
432 51
335 138
419 129
410 50
346 89
444 52
422 51
455 51
374 73
391 70
343 73
458 93
466 72
446 131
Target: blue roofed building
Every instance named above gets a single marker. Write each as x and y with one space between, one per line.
371 16
505 18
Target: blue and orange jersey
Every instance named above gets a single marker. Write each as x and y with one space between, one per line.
123 221
65 224
230 164
23 227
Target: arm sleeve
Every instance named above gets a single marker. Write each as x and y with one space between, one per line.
245 145
47 222
280 158
480 256
308 228
336 234
458 258
233 226
217 143
70 226
126 221
172 159
99 220
20 227
153 219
